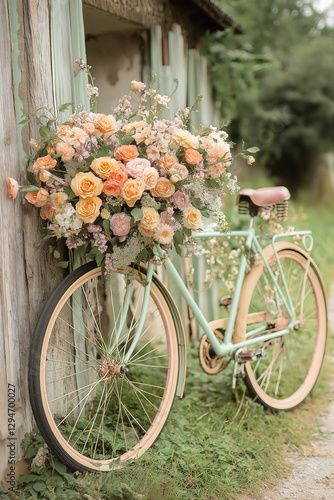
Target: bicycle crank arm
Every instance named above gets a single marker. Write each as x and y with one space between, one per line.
242 356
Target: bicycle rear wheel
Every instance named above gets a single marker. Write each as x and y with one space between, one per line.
93 409
287 374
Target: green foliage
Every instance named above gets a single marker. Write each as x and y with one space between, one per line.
294 113
288 111
234 68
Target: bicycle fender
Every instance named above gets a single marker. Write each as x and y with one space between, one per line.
245 295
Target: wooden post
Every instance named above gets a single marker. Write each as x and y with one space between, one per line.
25 281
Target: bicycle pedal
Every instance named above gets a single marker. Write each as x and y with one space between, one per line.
242 356
225 303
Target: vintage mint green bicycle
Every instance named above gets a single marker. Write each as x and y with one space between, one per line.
109 358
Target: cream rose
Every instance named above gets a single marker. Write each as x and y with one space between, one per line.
163 188
44 175
86 185
88 209
132 191
76 137
149 222
58 200
185 138
192 218
150 177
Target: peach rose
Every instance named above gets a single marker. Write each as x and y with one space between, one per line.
132 191
193 157
149 222
66 151
126 153
104 166
192 218
47 212
63 130
58 200
219 152
116 180
44 175
163 188
216 170
106 125
86 185
89 128
38 199
167 162
88 209
44 162
12 187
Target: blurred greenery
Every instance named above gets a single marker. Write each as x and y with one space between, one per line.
275 83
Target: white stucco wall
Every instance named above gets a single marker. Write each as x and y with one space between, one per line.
116 60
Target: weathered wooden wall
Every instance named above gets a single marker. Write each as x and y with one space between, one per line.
25 281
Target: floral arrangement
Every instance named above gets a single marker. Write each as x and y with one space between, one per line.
115 185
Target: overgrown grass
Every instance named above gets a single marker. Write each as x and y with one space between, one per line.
217 444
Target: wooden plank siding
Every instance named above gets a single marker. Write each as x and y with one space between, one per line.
25 280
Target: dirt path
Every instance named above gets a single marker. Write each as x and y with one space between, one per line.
313 475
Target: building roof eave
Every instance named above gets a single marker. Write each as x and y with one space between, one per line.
216 18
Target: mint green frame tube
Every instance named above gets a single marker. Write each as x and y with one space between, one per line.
226 347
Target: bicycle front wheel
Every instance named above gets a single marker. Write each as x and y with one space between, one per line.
287 374
94 408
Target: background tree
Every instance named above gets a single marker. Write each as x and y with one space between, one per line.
276 84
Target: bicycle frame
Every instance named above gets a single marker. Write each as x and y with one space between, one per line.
227 347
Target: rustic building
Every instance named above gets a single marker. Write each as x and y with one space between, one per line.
123 40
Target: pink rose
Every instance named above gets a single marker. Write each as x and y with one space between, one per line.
120 225
180 200
136 167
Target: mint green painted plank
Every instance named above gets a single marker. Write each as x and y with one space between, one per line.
178 69
62 55
78 51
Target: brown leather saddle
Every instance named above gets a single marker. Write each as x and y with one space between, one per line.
250 200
